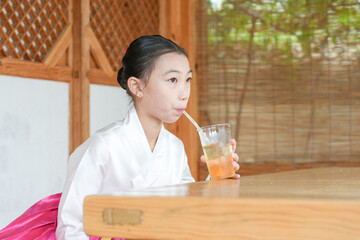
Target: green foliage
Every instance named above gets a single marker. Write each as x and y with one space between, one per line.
283 25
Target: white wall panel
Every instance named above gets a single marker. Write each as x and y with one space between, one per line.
34 142
107 104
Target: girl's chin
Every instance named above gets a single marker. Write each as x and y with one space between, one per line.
172 120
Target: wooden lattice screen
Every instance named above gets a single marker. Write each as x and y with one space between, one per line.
29 29
117 23
286 75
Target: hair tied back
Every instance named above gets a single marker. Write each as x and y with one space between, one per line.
120 78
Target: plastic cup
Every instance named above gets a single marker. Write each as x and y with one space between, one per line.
217 148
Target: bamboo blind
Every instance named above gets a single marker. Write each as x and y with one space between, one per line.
286 76
29 29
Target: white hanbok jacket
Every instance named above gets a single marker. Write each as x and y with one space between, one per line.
118 157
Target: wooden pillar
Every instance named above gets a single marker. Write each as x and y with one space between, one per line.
177 22
79 84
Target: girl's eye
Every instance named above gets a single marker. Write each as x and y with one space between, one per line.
189 79
173 80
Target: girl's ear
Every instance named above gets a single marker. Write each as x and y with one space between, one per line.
136 87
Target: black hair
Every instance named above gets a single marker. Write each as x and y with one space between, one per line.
141 55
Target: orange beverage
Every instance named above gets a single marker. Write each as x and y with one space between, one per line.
219 160
216 144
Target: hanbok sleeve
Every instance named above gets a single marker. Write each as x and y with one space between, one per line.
186 175
86 170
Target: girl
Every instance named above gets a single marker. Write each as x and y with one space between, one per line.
136 152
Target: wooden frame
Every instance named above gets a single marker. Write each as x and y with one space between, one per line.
177 21
78 58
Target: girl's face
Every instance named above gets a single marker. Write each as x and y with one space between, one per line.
167 92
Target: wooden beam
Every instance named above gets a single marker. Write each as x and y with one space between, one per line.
79 85
98 52
177 20
59 49
98 76
27 69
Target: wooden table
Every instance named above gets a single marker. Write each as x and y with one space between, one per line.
312 204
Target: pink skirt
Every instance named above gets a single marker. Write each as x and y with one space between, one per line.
38 222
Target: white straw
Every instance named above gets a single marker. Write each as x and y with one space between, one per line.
203 137
192 120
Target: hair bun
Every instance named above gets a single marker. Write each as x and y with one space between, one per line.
120 79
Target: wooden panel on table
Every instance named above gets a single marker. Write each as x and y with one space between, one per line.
321 203
177 23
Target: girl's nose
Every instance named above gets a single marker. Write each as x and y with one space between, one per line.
184 92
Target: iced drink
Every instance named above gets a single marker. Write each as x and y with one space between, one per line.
215 141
